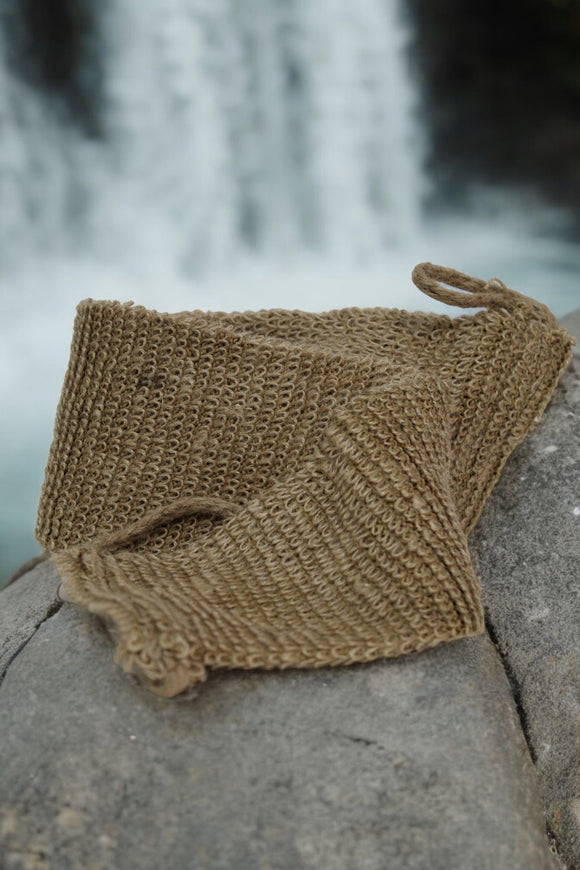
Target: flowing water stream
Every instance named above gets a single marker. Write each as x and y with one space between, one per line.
249 154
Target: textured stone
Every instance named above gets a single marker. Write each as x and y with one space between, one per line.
527 549
24 605
417 762
572 323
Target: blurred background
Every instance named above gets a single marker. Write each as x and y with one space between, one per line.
243 154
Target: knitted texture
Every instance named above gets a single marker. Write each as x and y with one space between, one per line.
287 489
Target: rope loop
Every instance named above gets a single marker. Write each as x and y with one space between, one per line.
430 279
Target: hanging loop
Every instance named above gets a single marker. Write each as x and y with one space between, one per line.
430 278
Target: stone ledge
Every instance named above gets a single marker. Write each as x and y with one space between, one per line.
572 323
527 552
417 762
25 605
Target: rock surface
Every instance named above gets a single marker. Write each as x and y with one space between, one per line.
527 550
418 762
572 323
24 605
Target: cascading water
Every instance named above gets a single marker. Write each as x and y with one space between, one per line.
228 126
242 154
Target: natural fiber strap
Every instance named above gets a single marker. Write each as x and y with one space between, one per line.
492 294
281 488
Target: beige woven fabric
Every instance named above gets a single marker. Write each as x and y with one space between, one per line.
287 489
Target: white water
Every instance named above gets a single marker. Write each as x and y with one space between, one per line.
256 154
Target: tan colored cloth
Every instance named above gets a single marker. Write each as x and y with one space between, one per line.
287 489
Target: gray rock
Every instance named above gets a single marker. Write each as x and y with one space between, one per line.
572 323
24 605
527 550
416 763
412 763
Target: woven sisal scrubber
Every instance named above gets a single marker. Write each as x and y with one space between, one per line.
285 489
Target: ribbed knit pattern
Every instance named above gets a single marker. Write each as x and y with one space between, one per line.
287 489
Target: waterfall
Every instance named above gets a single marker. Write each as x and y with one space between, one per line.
213 154
228 126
